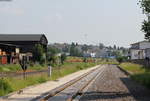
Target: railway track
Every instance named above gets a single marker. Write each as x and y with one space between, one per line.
74 88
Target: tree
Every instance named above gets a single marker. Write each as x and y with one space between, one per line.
115 47
118 48
110 47
76 44
84 59
145 5
51 54
65 49
38 53
146 29
77 52
63 58
72 49
121 59
84 48
101 46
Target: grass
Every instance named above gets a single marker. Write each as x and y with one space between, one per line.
10 67
107 61
32 66
133 68
17 67
14 84
22 83
4 87
138 73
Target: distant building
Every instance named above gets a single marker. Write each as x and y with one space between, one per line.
13 45
93 55
140 50
87 54
103 53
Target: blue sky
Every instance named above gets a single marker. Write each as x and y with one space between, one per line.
83 21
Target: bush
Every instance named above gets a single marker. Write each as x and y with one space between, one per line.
43 59
38 53
79 67
121 59
41 80
31 63
5 88
84 59
143 79
63 58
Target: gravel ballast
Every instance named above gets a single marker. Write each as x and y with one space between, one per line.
114 85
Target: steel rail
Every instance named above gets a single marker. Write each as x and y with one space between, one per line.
80 91
67 85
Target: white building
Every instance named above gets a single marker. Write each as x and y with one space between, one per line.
93 55
137 54
140 50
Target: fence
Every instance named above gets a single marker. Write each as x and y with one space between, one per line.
14 74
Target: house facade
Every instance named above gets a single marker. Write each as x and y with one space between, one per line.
140 50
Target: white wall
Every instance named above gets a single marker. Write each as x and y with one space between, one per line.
137 54
147 53
134 54
144 45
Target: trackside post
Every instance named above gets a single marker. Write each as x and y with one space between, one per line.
49 71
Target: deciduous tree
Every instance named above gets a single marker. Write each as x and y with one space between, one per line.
145 5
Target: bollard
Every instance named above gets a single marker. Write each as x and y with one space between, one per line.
49 71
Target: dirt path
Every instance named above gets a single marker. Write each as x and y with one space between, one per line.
114 85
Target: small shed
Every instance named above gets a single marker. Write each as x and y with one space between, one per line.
13 44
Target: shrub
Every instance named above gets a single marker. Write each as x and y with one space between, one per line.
5 88
38 53
121 59
63 58
41 80
79 67
143 78
31 63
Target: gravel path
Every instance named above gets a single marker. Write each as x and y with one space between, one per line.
114 85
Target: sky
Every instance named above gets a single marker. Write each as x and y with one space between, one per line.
83 21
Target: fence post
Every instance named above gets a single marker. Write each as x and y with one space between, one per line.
49 71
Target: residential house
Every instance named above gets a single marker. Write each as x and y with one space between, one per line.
140 50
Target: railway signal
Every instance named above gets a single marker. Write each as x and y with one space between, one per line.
23 64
